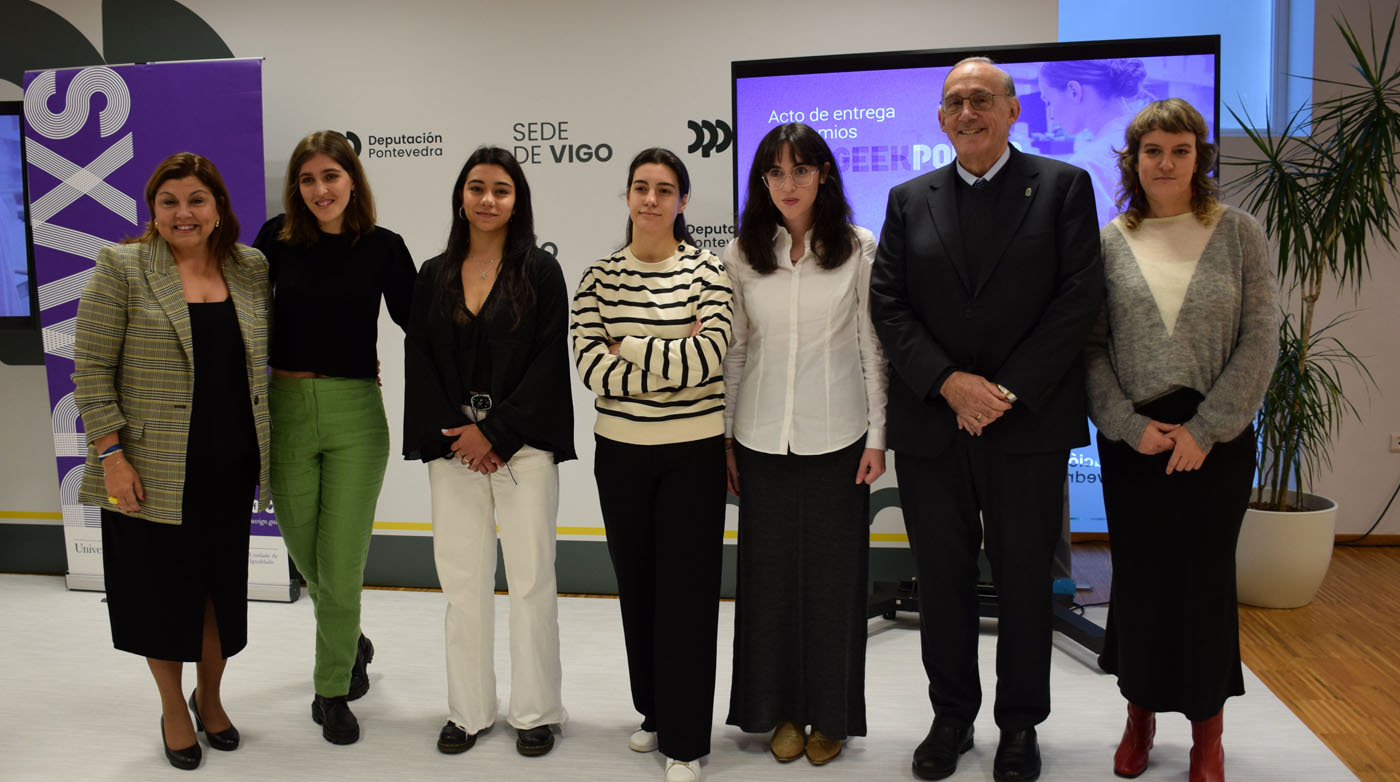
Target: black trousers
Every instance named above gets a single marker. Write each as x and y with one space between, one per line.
1020 498
663 508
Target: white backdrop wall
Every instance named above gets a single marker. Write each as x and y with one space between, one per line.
548 80
615 76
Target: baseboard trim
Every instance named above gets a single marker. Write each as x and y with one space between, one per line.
1344 537
1369 540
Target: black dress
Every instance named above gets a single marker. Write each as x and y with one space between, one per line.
159 575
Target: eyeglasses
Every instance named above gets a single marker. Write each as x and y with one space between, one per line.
979 101
801 176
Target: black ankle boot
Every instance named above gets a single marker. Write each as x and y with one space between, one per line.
359 675
338 723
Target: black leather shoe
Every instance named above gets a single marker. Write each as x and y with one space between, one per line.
937 755
338 723
225 740
453 740
535 741
1018 757
185 759
359 675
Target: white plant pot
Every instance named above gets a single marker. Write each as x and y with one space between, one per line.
1282 557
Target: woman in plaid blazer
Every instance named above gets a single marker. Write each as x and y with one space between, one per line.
171 380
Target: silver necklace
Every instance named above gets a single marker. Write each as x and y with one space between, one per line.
489 268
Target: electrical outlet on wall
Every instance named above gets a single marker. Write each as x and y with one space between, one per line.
1395 442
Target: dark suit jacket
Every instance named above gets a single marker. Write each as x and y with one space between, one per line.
1021 324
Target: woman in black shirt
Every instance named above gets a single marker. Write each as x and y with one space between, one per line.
487 406
330 266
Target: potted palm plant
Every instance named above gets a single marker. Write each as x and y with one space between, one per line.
1323 185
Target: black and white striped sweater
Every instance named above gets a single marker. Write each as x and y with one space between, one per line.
663 386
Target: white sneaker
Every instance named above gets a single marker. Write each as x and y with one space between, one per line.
642 740
682 770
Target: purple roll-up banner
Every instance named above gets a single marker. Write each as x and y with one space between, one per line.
93 136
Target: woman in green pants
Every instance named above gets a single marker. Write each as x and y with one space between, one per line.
330 266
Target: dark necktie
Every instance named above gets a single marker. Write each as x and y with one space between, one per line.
979 184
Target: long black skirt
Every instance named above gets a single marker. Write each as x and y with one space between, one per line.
800 608
1173 624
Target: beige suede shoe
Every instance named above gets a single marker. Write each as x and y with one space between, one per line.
788 742
822 749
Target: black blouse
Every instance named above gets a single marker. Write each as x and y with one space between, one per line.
325 299
532 401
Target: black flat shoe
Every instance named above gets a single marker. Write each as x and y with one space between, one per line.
359 676
533 742
937 755
185 759
225 740
338 723
453 740
1018 757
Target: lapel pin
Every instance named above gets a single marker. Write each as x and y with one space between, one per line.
1028 192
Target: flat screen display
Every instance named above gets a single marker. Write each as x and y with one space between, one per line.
15 262
879 114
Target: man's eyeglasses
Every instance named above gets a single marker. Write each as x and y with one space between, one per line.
979 101
801 176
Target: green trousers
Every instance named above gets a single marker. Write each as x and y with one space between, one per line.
330 445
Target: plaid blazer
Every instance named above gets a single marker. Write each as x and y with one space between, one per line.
134 371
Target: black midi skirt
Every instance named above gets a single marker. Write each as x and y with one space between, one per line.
1172 635
158 577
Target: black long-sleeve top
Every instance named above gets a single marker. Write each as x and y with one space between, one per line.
325 299
530 386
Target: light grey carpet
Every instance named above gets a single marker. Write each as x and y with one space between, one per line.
72 708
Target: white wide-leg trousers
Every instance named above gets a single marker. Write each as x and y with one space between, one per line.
468 510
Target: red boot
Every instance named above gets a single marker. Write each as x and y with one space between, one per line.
1207 756
1131 758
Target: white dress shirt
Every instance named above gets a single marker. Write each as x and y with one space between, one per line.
971 178
804 372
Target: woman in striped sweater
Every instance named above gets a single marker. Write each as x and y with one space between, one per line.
651 323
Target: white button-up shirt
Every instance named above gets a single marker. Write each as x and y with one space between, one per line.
804 371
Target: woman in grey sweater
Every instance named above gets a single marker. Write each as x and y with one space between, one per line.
1177 368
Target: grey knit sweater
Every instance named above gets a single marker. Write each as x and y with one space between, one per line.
1224 344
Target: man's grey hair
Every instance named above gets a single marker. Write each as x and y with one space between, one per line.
1010 83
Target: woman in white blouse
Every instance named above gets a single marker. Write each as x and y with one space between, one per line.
804 427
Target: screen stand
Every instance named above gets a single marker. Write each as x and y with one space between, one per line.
891 597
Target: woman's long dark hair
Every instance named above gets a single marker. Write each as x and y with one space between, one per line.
513 278
832 239
668 159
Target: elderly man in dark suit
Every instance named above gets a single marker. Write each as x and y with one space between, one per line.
985 284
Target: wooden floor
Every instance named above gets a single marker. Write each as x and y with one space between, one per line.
1334 662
